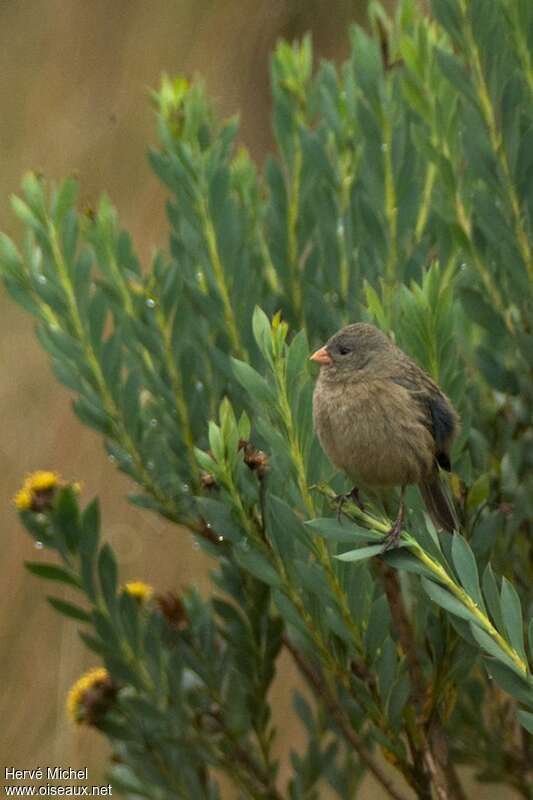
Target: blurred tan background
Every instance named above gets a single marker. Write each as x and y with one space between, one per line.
74 76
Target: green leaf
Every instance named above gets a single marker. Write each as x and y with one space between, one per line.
220 518
446 600
94 417
205 461
479 311
24 213
285 522
454 71
262 333
129 616
521 688
108 574
526 720
256 386
244 426
66 518
296 361
530 638
64 199
398 698
92 643
491 646
492 597
216 443
312 577
52 572
478 492
69 609
341 531
375 306
361 553
378 626
512 617
90 526
465 564
402 559
90 533
10 258
254 562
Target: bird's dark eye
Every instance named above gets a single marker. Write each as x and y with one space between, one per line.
343 350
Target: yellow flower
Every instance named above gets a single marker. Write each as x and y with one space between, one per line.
41 481
23 499
141 591
94 678
39 489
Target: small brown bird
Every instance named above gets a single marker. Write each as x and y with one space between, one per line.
383 421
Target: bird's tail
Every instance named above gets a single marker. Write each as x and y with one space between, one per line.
439 504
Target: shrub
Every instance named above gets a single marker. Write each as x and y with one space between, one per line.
401 194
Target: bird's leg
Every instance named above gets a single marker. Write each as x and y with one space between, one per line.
341 499
393 536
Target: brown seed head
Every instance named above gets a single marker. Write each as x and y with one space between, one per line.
173 610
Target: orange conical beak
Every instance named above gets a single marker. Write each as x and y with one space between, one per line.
321 356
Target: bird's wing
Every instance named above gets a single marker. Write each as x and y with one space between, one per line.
437 414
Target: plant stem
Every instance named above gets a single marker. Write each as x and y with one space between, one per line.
344 725
458 592
391 215
496 140
164 326
440 574
292 235
107 399
220 278
438 770
425 205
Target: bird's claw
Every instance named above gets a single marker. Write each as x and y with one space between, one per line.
341 499
392 538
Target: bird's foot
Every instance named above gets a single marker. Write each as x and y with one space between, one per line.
341 499
392 538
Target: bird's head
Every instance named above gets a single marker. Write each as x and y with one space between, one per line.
353 349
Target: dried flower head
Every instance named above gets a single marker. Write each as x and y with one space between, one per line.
37 491
91 696
255 459
141 591
208 481
173 609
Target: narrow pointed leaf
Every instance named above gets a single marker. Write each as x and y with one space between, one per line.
52 572
69 609
512 616
465 563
